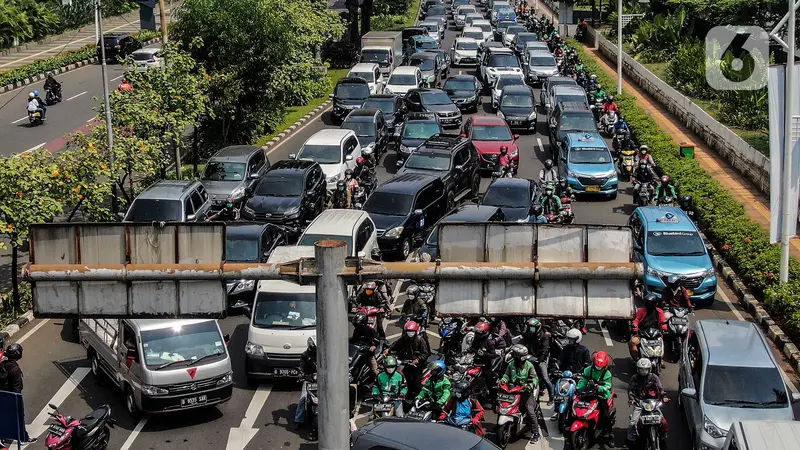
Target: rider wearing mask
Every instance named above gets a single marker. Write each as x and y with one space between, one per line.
599 94
549 174
341 196
675 295
592 82
644 155
550 202
437 387
370 296
366 335
124 86
463 408
414 304
499 332
610 106
648 316
538 342
350 180
504 160
537 214
644 385
391 382
563 189
412 347
621 125
664 190
520 372
644 173
308 365
575 356
599 374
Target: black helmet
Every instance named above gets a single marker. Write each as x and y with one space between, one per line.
534 325
519 352
537 210
312 343
673 281
359 319
340 185
650 300
348 173
643 164
548 164
461 390
686 201
14 352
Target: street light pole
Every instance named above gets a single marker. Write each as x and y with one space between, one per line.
619 47
787 226
109 129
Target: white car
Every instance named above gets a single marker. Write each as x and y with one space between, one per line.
433 29
473 33
472 17
503 80
508 35
370 72
498 61
486 28
403 79
334 149
146 58
464 52
352 226
460 16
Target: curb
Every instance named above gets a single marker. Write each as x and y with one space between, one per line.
14 328
60 70
290 130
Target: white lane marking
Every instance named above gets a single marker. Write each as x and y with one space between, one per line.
76 96
541 146
117 78
393 336
39 424
35 147
555 440
92 119
132 437
606 334
297 130
238 438
33 330
19 120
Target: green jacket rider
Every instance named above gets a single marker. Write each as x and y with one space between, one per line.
390 381
524 376
599 94
664 189
437 388
601 377
550 202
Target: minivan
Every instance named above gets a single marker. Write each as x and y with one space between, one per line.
586 162
429 250
170 201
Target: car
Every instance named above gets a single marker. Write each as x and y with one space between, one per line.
352 226
442 19
452 158
370 129
291 193
170 201
472 33
403 79
436 101
147 58
521 40
444 68
418 44
728 373
428 64
392 106
511 32
563 94
461 15
488 134
370 72
348 94
429 250
334 149
464 91
433 29
539 65
535 45
518 107
464 52
585 161
403 208
503 81
545 96
435 11
413 31
485 26
506 14
501 27
249 243
483 48
499 61
570 117
417 128
428 5
455 4
117 46
402 434
231 172
668 243
515 196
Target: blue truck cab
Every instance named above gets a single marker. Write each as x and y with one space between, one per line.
668 243
419 44
585 161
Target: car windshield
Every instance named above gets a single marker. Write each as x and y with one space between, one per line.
570 98
437 11
374 56
182 345
389 204
675 243
311 239
473 34
485 27
142 56
323 154
242 249
589 155
293 310
578 122
154 210
463 11
435 98
368 76
424 64
542 61
355 91
744 387
502 82
491 133
523 38
432 27
517 101
427 43
508 196
275 185
516 29
428 162
503 61
224 171
466 45
362 129
386 106
420 130
459 85
403 79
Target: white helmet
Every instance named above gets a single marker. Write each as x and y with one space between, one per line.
643 366
574 335
31 95
593 77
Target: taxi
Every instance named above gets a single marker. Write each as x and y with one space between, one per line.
668 243
585 161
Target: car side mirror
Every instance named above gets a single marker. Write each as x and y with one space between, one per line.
191 217
348 158
330 95
516 136
689 393
362 254
418 212
795 397
292 156
459 167
227 339
254 176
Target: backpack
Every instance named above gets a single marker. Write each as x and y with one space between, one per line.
4 374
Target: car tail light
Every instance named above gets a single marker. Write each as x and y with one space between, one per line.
117 47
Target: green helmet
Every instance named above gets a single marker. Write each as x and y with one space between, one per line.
390 361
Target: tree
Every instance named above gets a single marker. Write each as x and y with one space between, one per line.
87 180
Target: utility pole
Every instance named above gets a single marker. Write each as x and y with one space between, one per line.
163 14
109 128
787 224
619 47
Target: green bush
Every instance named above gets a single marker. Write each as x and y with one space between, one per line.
7 313
686 71
656 38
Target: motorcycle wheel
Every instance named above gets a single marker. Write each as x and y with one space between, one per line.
504 434
657 367
562 423
103 438
580 439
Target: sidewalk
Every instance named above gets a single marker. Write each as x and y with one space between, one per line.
77 39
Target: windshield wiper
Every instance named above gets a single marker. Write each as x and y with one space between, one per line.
302 327
675 254
741 402
202 358
170 363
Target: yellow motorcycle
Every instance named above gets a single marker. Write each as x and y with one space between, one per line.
626 163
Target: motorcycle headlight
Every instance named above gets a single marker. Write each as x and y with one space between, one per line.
227 379
651 405
563 387
254 349
394 232
713 430
153 390
244 285
501 115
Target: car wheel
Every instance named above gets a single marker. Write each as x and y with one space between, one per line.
405 248
130 404
95 361
451 201
476 185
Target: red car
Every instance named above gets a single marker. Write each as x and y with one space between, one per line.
488 134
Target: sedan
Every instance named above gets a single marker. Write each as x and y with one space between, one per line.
464 52
504 81
515 196
391 105
518 108
435 101
488 135
464 91
147 58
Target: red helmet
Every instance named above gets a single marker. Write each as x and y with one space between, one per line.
665 179
361 160
482 327
411 326
601 359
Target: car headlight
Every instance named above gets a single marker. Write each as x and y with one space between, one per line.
570 173
405 149
227 379
515 153
237 193
425 257
713 430
532 116
656 273
491 70
709 273
471 99
254 349
244 285
153 390
394 232
333 179
292 213
430 78
501 115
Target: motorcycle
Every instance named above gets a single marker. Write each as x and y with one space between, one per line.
312 404
666 201
649 427
620 137
427 293
450 335
360 374
626 163
359 197
339 199
52 96
35 118
643 193
90 433
422 411
504 172
384 405
465 424
608 122
686 205
466 369
372 313
596 107
586 411
511 421
564 390
678 326
651 346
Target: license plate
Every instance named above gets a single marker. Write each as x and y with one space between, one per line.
506 397
680 320
592 188
312 386
559 399
56 430
383 407
515 122
651 419
286 372
193 401
416 415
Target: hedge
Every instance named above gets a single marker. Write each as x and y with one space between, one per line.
742 241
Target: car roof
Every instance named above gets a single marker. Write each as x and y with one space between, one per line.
423 55
568 89
407 183
471 213
481 22
168 189
522 183
574 107
235 153
405 70
148 50
363 67
539 52
422 435
462 77
330 134
383 97
486 119
426 90
291 165
466 39
561 79
244 231
586 140
337 222
442 142
351 80
500 50
421 37
429 22
474 29
518 89
364 112
662 218
734 343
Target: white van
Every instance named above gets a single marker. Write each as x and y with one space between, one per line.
161 364
284 317
763 435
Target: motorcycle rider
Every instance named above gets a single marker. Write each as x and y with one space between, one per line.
52 85
575 356
550 202
366 335
537 214
341 196
370 296
610 106
352 184
124 86
592 86
599 94
410 346
308 365
664 190
675 295
34 106
13 377
563 189
391 382
537 339
520 372
648 316
644 154
504 161
645 384
599 373
499 330
643 173
462 407
549 174
621 125
437 388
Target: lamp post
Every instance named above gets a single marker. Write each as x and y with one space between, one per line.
622 21
109 128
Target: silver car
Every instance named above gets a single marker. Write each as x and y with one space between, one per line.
231 172
728 373
538 66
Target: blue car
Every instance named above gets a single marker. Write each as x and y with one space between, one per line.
419 44
668 243
585 161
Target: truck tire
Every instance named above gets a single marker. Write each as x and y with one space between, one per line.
130 404
94 359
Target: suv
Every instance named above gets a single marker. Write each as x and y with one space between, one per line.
371 72
370 128
464 213
585 161
565 93
392 106
539 65
290 193
334 149
232 171
348 225
170 201
403 79
545 94
430 66
498 61
348 95
452 158
488 134
570 117
434 101
403 208
117 46
417 128
464 52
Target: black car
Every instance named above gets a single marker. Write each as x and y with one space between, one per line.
392 106
249 243
417 128
570 117
464 91
118 46
501 28
292 192
518 107
452 158
515 196
370 129
434 101
427 5
402 434
403 208
429 64
520 40
349 94
429 250
445 57
413 31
